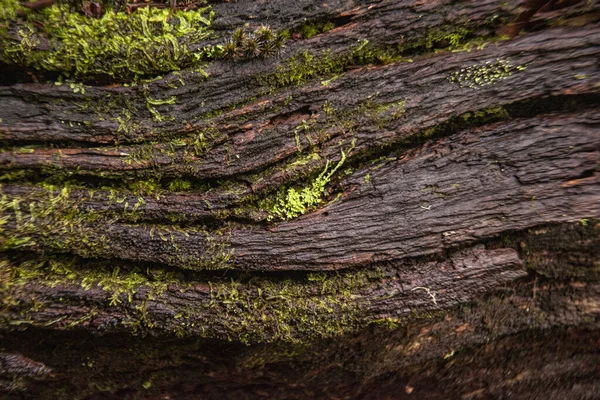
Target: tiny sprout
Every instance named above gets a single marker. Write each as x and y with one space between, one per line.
264 34
268 49
279 41
250 48
230 49
263 42
238 36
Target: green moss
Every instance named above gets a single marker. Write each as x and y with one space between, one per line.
53 222
215 255
311 29
8 10
323 306
388 322
150 41
121 284
260 310
13 176
291 203
256 310
450 37
305 66
382 114
179 185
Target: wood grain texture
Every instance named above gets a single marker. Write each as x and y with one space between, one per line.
452 253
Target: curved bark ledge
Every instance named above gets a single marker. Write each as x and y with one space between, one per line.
474 185
270 129
264 310
71 294
527 338
102 115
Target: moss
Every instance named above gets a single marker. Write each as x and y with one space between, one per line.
121 284
8 10
263 311
150 41
382 114
305 66
450 37
312 29
13 176
291 203
178 185
215 255
292 311
250 310
152 103
388 322
53 222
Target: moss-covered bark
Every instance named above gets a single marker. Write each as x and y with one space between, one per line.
348 199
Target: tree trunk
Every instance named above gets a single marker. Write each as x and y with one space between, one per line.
403 202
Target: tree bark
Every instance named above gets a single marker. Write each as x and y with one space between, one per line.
403 203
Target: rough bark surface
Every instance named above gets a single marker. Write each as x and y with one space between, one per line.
406 205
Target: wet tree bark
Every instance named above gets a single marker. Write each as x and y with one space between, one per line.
404 205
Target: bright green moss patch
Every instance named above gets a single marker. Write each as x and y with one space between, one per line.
8 10
148 42
291 203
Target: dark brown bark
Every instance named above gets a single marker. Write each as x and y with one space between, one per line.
454 252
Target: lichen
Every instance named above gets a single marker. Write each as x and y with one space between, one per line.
484 74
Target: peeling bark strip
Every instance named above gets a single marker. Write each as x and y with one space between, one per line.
400 203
